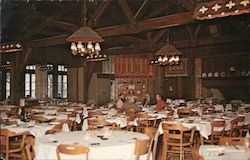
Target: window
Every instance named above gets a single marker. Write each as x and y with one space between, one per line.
30 81
62 81
50 85
7 85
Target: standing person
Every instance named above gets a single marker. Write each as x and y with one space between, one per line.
148 101
160 104
120 102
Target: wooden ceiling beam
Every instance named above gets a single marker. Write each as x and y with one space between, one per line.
98 13
62 25
141 26
127 11
142 10
142 48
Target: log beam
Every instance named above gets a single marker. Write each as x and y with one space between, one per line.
141 26
127 11
98 13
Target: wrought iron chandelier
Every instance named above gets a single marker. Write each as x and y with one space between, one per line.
86 42
167 55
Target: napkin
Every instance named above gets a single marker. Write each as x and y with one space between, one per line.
19 111
65 127
78 119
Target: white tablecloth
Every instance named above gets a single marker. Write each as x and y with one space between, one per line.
216 152
37 130
119 146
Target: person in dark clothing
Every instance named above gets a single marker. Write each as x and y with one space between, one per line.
148 101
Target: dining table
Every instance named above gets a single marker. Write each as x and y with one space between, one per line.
35 129
103 144
224 152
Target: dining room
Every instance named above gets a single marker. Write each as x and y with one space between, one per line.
125 80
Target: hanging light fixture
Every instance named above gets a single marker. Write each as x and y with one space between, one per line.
86 42
167 55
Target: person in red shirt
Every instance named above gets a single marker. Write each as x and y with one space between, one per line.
160 105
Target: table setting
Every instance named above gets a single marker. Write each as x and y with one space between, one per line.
102 144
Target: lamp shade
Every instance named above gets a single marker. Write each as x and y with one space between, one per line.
85 34
168 50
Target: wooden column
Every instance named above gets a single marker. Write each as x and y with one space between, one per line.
198 81
15 94
55 81
41 83
1 80
76 84
160 85
179 87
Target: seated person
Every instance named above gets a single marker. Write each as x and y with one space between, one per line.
148 101
120 102
160 104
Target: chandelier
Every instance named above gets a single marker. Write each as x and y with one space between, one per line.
86 42
167 55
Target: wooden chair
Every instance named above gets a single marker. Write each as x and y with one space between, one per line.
141 148
71 149
217 132
95 114
99 124
241 120
209 109
196 155
232 141
12 144
144 120
129 126
30 147
175 141
151 132
234 128
57 127
39 119
185 112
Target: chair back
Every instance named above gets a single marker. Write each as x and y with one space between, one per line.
99 123
7 138
232 141
144 120
71 149
234 128
95 113
217 132
151 132
241 120
39 119
29 148
130 126
175 132
141 148
196 155
185 112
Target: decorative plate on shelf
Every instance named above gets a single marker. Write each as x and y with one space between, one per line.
222 74
210 74
216 74
243 73
203 75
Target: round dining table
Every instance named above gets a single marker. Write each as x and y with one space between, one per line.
103 144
